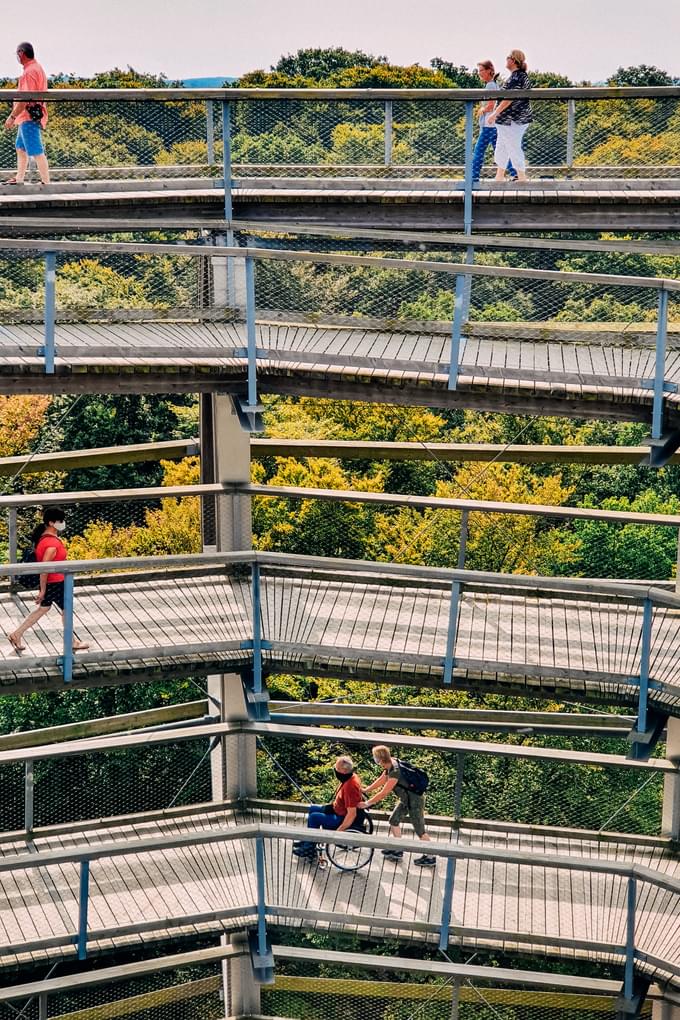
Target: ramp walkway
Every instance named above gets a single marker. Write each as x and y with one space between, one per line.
597 640
401 157
411 204
272 332
156 879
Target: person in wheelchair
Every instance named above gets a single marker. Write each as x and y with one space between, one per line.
342 814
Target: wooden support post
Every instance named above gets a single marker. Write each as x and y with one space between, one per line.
670 820
665 1011
225 457
241 991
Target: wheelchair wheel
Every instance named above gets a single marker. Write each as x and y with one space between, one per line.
352 858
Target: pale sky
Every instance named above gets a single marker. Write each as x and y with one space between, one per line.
584 39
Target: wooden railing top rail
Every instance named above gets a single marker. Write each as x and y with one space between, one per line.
21 501
452 238
70 460
443 745
164 95
370 572
336 259
251 831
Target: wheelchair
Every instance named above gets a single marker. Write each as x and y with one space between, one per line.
345 857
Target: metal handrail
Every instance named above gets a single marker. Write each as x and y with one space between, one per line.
592 92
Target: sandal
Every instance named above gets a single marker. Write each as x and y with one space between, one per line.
14 641
80 646
13 180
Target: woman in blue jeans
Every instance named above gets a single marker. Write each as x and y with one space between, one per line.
487 135
341 815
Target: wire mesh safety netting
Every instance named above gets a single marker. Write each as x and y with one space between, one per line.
105 784
152 526
476 786
395 996
186 993
360 137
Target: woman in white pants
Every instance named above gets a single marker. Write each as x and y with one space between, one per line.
511 118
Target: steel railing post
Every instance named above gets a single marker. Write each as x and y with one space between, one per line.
571 127
467 180
645 651
12 538
210 131
629 973
457 331
49 350
450 658
257 629
67 658
251 332
261 898
226 161
29 797
388 133
447 903
83 897
660 364
458 787
42 1006
462 547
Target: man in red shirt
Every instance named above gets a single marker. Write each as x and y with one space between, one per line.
341 814
29 118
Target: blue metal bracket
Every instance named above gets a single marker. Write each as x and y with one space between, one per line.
650 384
250 418
450 659
662 449
261 954
642 742
257 702
242 352
41 352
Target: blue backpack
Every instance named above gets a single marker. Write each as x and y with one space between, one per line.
413 779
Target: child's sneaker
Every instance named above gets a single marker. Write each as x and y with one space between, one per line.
426 861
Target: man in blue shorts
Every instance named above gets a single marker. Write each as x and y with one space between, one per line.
29 118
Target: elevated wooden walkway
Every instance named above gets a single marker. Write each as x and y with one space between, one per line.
190 872
567 369
395 202
379 622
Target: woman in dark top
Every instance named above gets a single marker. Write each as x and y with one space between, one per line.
511 118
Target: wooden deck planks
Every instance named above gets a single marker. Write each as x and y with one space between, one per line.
518 900
310 618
